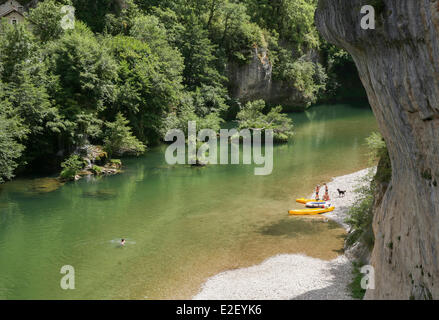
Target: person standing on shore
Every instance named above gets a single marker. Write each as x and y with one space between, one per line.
317 192
326 196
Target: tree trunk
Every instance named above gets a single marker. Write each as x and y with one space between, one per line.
398 64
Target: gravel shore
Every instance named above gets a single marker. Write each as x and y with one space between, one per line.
293 276
348 183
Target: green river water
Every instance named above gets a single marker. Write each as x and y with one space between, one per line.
182 224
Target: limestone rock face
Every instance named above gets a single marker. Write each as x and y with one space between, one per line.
254 80
398 63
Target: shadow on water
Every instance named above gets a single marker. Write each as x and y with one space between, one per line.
100 194
295 227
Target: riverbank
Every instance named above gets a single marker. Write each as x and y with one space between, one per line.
294 276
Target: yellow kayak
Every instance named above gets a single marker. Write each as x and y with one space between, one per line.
305 201
308 212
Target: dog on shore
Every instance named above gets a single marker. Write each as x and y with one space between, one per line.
341 193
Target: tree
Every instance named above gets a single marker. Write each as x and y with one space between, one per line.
25 89
10 148
120 24
71 166
93 12
46 20
308 78
119 139
17 45
199 56
150 30
209 99
12 132
251 117
293 20
85 71
235 33
147 86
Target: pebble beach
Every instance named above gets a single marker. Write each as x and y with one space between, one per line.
294 276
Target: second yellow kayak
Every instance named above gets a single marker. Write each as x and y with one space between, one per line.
309 212
305 201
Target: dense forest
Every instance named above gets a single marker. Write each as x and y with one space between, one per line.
131 70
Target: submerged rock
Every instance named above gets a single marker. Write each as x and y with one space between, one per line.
101 194
96 162
35 186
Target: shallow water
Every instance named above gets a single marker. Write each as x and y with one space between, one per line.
182 224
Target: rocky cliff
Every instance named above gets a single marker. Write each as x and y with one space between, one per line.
398 63
254 80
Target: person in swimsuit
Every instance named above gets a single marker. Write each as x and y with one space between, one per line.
326 196
317 192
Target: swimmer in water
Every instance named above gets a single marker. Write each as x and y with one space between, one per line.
122 242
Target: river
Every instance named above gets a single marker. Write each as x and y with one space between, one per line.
182 224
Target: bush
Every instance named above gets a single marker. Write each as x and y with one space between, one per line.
378 152
116 161
11 132
179 120
119 139
357 292
71 167
97 170
307 77
360 217
251 117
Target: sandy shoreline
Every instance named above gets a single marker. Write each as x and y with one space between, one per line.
293 276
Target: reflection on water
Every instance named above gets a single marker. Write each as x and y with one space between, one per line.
183 224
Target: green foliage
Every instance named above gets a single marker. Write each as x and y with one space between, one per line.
231 28
251 117
11 134
307 77
343 83
199 56
378 152
85 71
96 170
151 65
93 13
147 86
360 217
355 286
116 161
25 89
46 20
377 146
186 112
121 23
71 167
119 139
293 20
379 6
17 46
